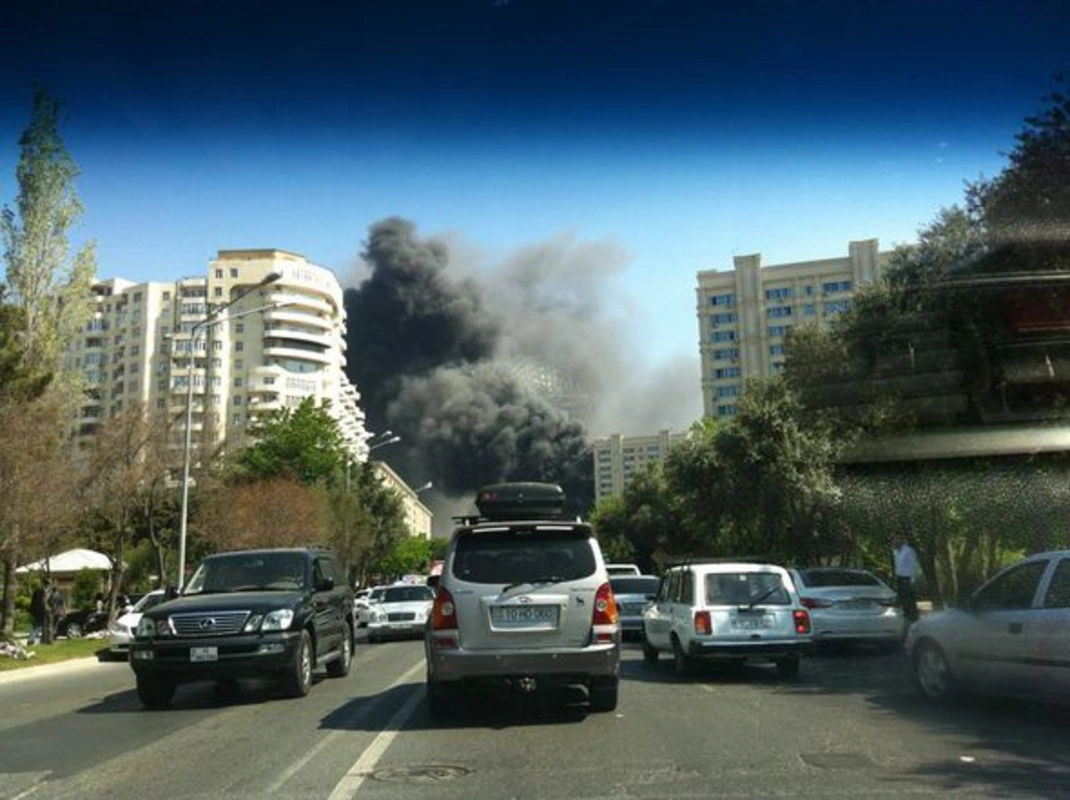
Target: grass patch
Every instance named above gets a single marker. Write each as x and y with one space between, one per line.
59 650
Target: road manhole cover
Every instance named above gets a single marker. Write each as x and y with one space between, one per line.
837 760
422 773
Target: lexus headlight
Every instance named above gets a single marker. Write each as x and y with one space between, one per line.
277 620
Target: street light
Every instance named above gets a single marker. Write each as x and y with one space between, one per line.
423 488
391 440
213 317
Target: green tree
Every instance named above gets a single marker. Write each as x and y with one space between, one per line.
409 555
302 442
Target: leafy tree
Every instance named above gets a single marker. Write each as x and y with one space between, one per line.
303 443
410 554
367 520
268 512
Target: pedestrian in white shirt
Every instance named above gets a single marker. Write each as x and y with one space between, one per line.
905 559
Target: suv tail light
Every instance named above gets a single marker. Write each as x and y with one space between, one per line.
802 620
703 625
815 602
604 616
443 612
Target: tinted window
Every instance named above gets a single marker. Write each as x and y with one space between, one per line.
1058 595
821 578
1012 590
515 557
741 588
249 571
634 585
407 594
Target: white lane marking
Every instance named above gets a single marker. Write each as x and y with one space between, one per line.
351 782
349 721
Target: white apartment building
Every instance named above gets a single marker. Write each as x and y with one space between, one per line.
417 516
617 457
745 313
281 342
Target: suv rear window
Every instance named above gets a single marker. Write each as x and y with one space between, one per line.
634 585
518 556
741 588
820 578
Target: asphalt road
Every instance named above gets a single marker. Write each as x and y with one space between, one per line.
851 726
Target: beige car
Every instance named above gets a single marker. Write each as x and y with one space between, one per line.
524 603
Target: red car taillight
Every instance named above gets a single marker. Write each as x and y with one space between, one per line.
815 602
605 607
443 612
703 624
802 620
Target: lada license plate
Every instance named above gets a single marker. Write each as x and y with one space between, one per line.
751 623
522 616
204 654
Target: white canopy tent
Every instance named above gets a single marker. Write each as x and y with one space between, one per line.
69 562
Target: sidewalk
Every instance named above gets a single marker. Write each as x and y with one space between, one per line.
46 670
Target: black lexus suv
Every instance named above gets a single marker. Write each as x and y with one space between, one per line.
248 614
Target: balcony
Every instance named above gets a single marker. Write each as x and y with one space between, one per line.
294 301
289 314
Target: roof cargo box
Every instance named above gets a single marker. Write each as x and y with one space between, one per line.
505 501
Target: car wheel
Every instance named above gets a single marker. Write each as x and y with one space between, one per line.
340 667
788 668
650 653
298 681
681 662
74 631
933 673
604 695
155 693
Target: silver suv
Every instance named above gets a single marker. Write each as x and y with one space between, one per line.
524 602
727 611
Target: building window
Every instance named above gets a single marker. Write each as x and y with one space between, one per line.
723 300
779 294
135 368
727 391
778 311
166 296
219 273
239 363
726 354
269 381
779 330
236 419
832 287
137 297
237 399
808 291
808 309
836 306
239 327
727 372
776 349
234 272
135 350
723 336
239 347
723 319
219 291
161 404
237 383
726 410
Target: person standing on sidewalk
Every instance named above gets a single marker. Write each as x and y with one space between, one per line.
905 559
37 615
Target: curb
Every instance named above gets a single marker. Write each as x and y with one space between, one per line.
46 670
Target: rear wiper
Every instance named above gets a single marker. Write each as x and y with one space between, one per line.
763 596
533 581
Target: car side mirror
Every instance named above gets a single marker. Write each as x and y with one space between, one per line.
171 592
325 584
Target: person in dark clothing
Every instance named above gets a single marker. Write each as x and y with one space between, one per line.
37 615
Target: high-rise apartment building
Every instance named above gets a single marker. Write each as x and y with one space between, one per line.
617 457
281 342
745 313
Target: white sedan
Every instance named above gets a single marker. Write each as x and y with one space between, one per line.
122 630
1012 637
850 605
400 611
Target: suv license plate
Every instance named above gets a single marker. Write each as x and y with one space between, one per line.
521 616
204 654
753 623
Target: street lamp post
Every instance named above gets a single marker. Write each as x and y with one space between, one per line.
391 440
213 316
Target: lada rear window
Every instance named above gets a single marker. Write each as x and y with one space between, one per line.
743 588
518 556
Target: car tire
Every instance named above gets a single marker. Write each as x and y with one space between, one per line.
339 668
933 673
650 653
298 681
155 693
788 668
604 695
681 661
74 631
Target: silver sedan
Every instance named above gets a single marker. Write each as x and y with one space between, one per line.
850 605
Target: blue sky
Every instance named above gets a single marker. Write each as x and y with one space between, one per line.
686 132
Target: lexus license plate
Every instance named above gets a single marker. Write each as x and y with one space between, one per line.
204 654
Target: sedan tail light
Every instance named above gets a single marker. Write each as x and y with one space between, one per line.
815 602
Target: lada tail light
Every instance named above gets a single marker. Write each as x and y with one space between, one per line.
443 612
802 621
605 607
703 624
